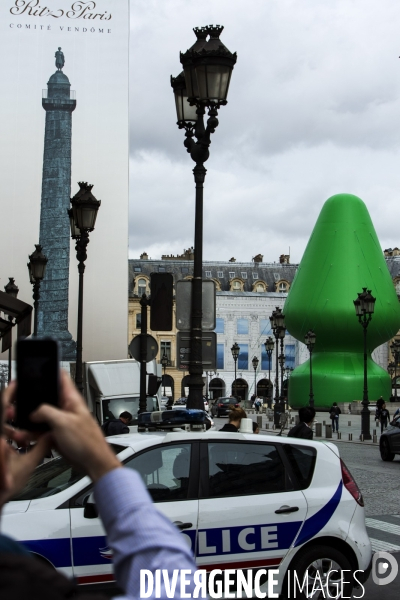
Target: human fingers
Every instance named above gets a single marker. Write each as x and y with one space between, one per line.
21 437
8 398
21 466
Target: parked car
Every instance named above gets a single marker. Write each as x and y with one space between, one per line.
222 406
303 509
181 403
389 443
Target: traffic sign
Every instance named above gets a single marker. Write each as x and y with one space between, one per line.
184 305
152 347
209 350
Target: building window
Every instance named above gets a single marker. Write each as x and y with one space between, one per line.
243 360
236 285
161 269
138 269
165 348
231 275
244 275
138 320
289 355
255 275
141 287
282 287
220 326
260 287
220 356
265 327
243 326
220 274
184 269
208 273
265 363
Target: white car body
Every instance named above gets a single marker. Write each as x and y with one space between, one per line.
238 531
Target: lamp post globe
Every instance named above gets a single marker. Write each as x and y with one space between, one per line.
203 84
82 218
364 306
37 269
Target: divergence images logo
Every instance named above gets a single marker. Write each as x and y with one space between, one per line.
384 568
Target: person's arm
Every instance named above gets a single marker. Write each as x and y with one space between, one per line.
140 536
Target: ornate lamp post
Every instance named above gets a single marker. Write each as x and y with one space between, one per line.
37 269
255 362
364 306
277 320
309 341
204 83
395 349
164 362
269 348
12 290
391 370
82 218
235 353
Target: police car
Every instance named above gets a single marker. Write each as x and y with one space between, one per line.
242 501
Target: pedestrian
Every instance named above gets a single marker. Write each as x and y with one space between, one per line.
257 404
303 428
256 428
117 426
384 417
334 413
137 533
234 419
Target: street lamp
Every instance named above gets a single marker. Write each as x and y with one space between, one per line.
269 348
12 290
391 368
395 349
204 83
277 320
309 340
37 269
235 353
364 306
255 362
208 375
164 362
82 217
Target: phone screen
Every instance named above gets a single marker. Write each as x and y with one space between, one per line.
37 379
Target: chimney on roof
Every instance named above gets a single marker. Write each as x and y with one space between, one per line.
258 258
233 259
144 256
284 259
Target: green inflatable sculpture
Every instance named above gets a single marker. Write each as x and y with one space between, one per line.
342 257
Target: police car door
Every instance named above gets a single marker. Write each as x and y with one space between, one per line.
170 473
249 511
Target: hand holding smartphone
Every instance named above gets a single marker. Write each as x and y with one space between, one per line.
38 379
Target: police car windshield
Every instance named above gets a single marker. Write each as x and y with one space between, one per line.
52 478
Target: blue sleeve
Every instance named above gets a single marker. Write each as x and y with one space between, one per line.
139 536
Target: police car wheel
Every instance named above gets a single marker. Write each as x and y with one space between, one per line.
386 455
324 565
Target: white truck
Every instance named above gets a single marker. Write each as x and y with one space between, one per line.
113 386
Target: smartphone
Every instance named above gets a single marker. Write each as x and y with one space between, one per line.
38 379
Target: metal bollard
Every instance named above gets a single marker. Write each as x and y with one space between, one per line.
374 439
328 431
374 432
318 429
259 422
273 425
339 435
362 437
266 425
350 437
323 422
349 423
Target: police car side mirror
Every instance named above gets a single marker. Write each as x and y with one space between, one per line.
90 511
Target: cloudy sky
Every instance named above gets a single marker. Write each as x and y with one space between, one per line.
313 110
